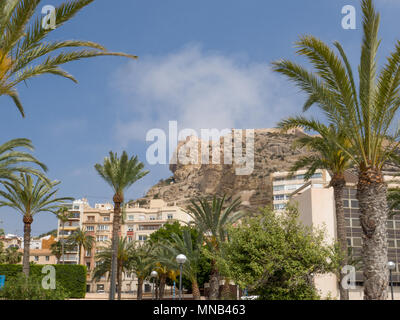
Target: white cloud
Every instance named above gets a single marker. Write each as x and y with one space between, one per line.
200 89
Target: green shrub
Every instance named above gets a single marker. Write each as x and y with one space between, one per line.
72 278
20 287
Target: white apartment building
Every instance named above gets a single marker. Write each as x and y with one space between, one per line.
76 210
283 185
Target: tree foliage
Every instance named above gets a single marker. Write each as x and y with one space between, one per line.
275 257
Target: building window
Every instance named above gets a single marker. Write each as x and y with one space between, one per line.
47 258
170 216
36 258
103 227
279 188
279 206
102 238
131 217
106 219
88 265
152 218
90 218
142 238
279 197
89 228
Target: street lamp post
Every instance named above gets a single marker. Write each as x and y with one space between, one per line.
181 259
391 266
153 275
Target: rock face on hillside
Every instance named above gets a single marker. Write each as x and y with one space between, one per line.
272 152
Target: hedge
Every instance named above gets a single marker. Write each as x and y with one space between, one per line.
71 277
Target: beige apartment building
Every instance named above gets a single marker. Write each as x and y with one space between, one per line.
317 209
141 219
40 251
284 184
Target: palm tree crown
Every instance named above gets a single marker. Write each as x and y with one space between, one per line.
81 239
120 173
11 159
29 198
23 52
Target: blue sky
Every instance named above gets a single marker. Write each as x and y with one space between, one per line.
202 63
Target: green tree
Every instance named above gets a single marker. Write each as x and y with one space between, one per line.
120 174
104 256
275 257
212 218
366 113
30 197
25 54
57 250
142 262
49 233
166 232
331 157
192 251
12 255
81 239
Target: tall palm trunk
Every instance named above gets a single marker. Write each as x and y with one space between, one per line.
118 199
79 253
119 281
140 289
214 281
163 280
62 243
28 219
371 194
338 183
195 290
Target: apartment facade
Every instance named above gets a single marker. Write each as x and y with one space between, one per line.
140 220
40 250
74 222
284 184
317 208
11 240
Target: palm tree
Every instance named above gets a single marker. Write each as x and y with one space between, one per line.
81 239
63 215
29 198
57 250
120 174
330 157
103 257
366 115
13 255
11 160
191 250
212 220
24 54
142 263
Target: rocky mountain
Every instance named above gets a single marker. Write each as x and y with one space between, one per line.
272 152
